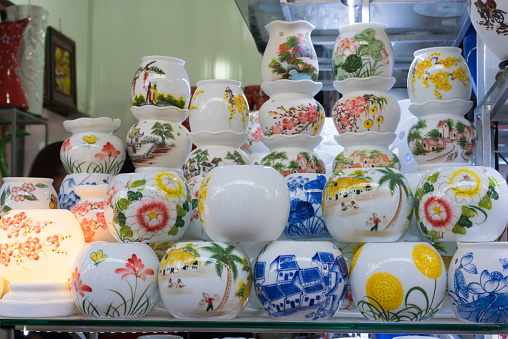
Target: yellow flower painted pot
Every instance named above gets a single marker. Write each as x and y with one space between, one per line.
438 73
403 281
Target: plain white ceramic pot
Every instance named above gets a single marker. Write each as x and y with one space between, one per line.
148 206
293 154
300 280
205 280
219 105
92 148
89 210
362 50
291 108
244 203
253 145
461 203
67 197
403 281
27 193
367 205
477 282
438 73
442 134
115 280
289 53
365 105
365 150
154 142
161 81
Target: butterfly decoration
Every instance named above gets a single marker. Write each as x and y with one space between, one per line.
90 139
98 257
504 262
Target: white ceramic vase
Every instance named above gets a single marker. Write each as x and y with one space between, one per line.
365 105
253 145
67 197
289 53
195 231
291 108
27 193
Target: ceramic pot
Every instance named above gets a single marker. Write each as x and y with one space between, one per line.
442 134
214 149
348 251
253 145
67 197
89 210
289 53
306 220
291 108
403 281
299 280
154 143
438 73
115 280
362 50
252 250
205 280
232 197
32 54
461 203
365 150
488 19
293 154
27 193
12 93
92 148
147 206
365 105
195 231
477 284
367 205
219 105
161 81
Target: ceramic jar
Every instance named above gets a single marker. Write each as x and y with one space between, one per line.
92 148
289 53
403 281
243 203
362 50
306 220
293 154
442 134
219 105
477 282
161 81
27 193
155 141
205 280
214 149
89 210
195 231
461 203
300 280
147 206
438 73
367 205
253 145
67 197
365 105
115 280
291 108
365 150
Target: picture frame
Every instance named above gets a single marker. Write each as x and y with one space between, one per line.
60 93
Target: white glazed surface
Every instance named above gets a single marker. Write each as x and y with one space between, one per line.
382 276
219 105
24 192
371 205
244 203
115 280
191 287
253 144
67 197
195 230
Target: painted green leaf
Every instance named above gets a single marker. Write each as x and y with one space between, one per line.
495 195
424 229
493 182
180 212
467 212
173 231
185 206
464 221
126 232
427 187
486 203
195 203
4 195
30 197
458 229
6 209
419 194
121 219
352 64
123 203
133 196
41 185
138 183
434 235
179 222
433 178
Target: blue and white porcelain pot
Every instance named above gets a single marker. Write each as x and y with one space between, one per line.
67 198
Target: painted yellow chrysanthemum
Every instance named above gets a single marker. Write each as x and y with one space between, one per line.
170 185
379 120
465 184
384 290
203 190
373 110
428 261
315 129
355 259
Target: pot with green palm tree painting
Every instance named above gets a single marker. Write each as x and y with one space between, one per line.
205 280
362 50
367 205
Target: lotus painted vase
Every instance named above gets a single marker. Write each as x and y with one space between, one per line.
67 197
27 193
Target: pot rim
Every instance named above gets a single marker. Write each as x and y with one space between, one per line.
432 107
224 138
301 141
163 58
486 244
101 124
167 113
360 25
230 82
437 49
382 139
286 86
28 179
364 84
274 23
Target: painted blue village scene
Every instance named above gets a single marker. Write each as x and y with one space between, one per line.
284 288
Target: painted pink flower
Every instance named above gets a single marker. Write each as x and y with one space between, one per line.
81 209
385 56
5 257
151 216
302 118
301 39
257 134
348 104
30 248
77 284
277 129
288 123
135 267
54 240
347 47
360 102
101 220
86 227
108 151
112 190
66 146
438 213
